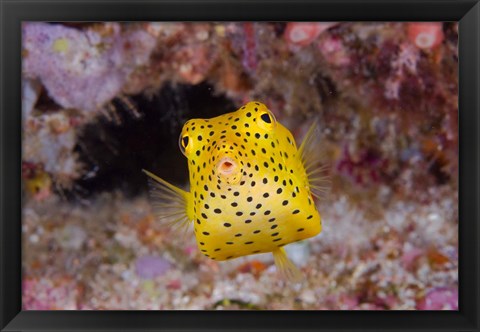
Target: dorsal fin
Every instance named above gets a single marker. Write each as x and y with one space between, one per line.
170 203
311 152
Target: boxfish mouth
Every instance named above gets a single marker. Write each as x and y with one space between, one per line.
227 166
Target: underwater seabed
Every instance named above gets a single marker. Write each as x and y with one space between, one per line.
102 101
112 254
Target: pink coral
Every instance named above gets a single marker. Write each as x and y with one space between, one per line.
192 63
304 33
410 257
334 51
250 61
60 293
425 35
362 168
440 299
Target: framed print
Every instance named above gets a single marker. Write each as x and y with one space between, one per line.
242 165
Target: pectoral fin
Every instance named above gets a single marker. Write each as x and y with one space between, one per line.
170 203
312 152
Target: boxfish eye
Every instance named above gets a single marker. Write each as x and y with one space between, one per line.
266 117
266 120
184 143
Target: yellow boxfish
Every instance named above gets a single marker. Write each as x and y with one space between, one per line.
250 187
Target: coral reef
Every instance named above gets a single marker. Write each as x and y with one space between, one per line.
101 101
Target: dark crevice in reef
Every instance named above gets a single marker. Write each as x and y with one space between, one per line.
116 152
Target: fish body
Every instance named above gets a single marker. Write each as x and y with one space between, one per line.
250 190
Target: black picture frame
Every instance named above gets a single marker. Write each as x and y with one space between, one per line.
13 12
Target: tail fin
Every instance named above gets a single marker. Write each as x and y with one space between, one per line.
285 266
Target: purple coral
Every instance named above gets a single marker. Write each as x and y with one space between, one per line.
149 267
82 69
